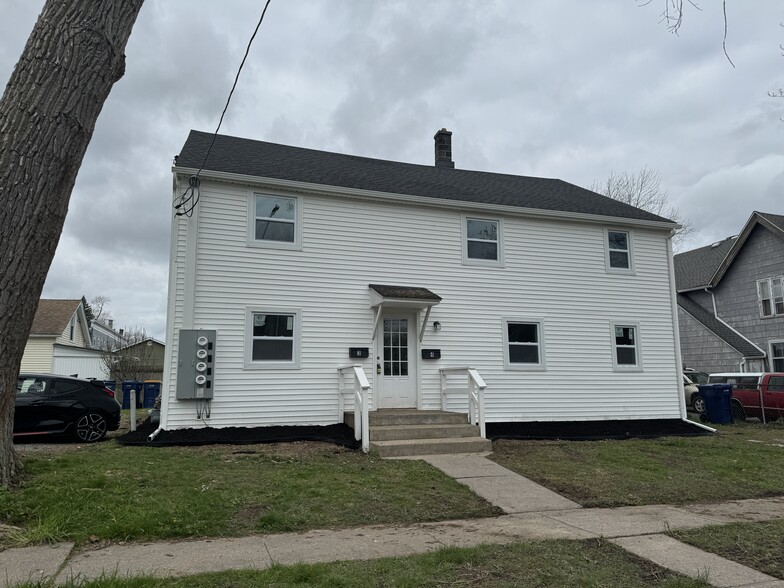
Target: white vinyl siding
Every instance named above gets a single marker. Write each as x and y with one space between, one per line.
408 244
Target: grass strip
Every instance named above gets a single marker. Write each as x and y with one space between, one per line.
756 545
562 564
741 461
111 492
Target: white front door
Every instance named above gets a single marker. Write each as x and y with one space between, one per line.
396 367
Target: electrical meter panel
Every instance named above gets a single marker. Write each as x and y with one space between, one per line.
195 368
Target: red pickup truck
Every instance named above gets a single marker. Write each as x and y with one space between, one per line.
749 388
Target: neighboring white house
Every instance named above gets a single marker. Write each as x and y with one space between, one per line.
563 300
105 338
60 342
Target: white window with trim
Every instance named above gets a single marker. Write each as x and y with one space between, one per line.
777 356
770 293
482 243
619 254
272 338
524 344
626 346
274 221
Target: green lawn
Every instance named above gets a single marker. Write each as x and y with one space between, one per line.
561 564
757 545
741 461
114 492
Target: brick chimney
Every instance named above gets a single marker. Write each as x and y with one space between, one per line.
443 139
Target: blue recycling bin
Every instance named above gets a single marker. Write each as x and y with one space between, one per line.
127 386
151 390
111 384
718 402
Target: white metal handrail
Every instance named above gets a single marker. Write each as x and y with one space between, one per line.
474 389
361 388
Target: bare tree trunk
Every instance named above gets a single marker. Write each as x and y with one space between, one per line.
72 59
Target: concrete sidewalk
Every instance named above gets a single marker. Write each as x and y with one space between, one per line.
537 514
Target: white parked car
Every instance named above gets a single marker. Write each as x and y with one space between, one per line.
692 396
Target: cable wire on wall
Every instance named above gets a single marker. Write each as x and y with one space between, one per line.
188 200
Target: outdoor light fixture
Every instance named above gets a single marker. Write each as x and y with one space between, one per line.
436 326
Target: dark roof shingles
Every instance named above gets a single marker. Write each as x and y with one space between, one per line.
775 219
694 269
718 328
412 292
283 162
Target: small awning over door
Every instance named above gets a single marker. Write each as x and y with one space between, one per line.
385 296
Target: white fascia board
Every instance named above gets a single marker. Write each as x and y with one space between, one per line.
308 188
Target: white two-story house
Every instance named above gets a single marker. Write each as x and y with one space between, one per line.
562 300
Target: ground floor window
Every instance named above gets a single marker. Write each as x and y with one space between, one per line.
626 346
777 356
272 338
523 344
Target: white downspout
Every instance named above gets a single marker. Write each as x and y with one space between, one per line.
675 327
677 337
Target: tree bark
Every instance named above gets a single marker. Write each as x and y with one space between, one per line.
72 59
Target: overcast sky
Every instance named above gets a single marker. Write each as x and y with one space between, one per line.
555 88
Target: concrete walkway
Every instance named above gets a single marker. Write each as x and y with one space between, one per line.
640 530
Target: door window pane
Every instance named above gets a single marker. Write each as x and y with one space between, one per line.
395 347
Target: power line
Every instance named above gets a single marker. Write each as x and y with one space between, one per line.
192 192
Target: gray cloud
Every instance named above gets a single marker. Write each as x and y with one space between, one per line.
556 88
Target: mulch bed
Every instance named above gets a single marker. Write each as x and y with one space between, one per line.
594 430
340 434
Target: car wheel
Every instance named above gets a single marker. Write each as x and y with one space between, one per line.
90 427
698 403
738 414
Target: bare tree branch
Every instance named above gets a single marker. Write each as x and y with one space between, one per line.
643 190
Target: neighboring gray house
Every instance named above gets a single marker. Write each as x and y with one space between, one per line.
731 300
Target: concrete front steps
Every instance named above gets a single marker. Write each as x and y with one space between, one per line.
409 432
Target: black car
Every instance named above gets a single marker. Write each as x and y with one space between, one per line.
47 404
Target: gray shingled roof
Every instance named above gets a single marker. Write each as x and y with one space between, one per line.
717 327
774 219
270 160
694 269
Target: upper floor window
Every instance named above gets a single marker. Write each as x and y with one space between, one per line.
771 296
619 250
523 344
274 221
482 243
72 327
626 347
